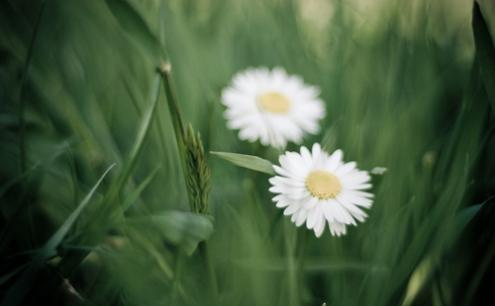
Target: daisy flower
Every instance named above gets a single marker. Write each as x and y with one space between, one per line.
272 107
317 188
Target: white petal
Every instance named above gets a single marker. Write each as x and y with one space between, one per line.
345 168
310 203
316 151
335 159
281 201
355 211
291 209
337 229
319 227
313 215
350 197
301 217
306 155
334 212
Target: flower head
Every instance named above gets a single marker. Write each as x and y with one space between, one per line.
272 107
317 188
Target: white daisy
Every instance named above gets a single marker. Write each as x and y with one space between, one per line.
317 188
272 107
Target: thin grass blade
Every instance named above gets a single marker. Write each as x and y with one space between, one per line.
247 161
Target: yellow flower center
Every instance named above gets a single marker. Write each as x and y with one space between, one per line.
323 185
274 102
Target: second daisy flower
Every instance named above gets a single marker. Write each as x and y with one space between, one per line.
272 107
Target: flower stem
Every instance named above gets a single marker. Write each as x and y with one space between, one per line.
291 243
179 129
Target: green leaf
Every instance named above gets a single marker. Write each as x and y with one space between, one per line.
419 278
485 52
141 135
462 219
247 161
183 229
134 25
50 247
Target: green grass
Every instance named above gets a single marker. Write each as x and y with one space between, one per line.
406 86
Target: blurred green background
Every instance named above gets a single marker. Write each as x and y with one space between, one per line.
406 87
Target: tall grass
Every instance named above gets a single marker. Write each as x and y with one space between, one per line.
407 86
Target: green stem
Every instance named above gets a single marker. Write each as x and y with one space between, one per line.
179 129
290 244
178 124
180 135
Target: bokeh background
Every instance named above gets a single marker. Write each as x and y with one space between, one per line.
406 86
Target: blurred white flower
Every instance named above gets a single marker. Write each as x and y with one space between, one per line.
272 107
317 188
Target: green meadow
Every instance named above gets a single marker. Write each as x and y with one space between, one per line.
118 182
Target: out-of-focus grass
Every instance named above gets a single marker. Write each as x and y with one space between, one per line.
403 90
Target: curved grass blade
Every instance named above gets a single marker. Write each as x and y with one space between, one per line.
247 161
110 213
468 213
131 198
141 135
50 247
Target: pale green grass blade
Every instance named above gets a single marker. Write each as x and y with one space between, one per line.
134 195
247 161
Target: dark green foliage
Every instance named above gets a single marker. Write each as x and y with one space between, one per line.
407 85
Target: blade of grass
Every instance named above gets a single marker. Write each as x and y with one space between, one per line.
247 161
50 247
105 217
178 124
17 292
131 198
141 135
